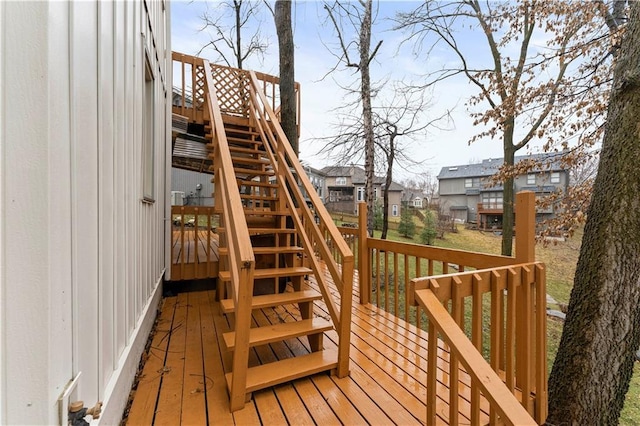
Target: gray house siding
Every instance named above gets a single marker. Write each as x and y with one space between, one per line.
187 181
462 188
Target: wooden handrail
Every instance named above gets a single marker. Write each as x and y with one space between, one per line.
286 165
482 376
517 353
240 258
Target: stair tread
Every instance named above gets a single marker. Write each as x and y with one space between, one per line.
270 300
267 375
255 231
222 251
253 172
254 183
249 160
271 273
244 150
277 332
258 197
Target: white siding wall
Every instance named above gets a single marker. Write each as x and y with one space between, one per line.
81 256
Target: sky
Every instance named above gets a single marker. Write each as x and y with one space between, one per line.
321 94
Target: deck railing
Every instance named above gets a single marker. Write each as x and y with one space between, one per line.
193 228
189 97
503 295
293 185
496 300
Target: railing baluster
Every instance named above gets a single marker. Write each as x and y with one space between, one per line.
395 284
432 373
496 328
418 313
457 313
511 328
377 275
476 338
386 281
406 287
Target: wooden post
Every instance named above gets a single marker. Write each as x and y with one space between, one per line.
525 227
364 276
525 253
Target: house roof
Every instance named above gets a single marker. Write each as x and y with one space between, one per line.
490 166
357 175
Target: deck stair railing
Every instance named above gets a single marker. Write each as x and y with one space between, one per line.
316 228
240 262
490 315
270 238
497 299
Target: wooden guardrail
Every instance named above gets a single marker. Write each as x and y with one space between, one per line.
497 300
316 229
193 244
189 89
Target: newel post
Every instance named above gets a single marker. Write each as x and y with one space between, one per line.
364 276
525 227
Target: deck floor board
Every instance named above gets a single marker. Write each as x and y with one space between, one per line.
387 384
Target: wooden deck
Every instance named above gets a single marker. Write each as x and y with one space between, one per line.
183 382
194 257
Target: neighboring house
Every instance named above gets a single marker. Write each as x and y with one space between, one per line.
317 178
414 198
197 187
85 99
464 192
345 189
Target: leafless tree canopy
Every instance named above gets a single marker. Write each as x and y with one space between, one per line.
227 23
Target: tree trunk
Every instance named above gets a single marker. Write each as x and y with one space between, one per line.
288 105
390 158
365 93
591 373
507 193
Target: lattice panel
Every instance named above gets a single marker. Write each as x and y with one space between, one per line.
232 87
199 86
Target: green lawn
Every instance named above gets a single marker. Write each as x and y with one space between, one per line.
560 260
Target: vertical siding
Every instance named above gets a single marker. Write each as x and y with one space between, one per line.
3 317
81 255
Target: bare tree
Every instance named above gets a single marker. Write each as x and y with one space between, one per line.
360 16
552 94
282 16
399 118
227 24
595 359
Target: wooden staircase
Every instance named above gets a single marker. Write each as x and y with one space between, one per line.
270 245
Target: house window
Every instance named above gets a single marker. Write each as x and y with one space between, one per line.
341 181
394 210
417 202
360 193
375 193
555 177
468 183
531 179
148 136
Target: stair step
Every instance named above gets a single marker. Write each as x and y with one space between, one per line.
241 131
256 212
256 184
277 332
270 300
253 172
256 231
222 251
250 160
257 197
244 150
294 271
242 140
266 375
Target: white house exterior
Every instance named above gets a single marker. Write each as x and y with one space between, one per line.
84 119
